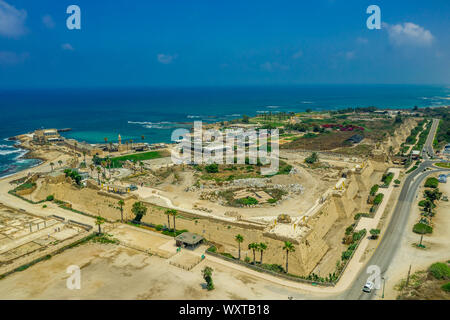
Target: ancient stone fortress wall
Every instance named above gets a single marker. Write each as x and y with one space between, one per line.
310 246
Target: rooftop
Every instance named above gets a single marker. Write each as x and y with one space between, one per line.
189 238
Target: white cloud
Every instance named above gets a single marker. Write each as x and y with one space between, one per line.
408 33
297 54
47 20
67 47
12 21
166 58
12 58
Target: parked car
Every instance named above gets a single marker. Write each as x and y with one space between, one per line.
368 286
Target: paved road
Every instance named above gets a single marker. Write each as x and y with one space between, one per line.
428 146
391 240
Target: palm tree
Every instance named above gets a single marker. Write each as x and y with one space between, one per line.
139 209
99 222
84 156
60 162
98 173
141 164
126 142
143 138
131 143
103 164
253 246
110 146
169 213
121 204
108 162
51 165
289 247
91 167
174 214
239 239
262 247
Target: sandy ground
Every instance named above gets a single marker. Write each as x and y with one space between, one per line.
437 244
116 272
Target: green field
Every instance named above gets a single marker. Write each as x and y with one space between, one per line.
443 165
116 162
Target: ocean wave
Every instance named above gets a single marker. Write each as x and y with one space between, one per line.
7 152
273 107
148 122
233 115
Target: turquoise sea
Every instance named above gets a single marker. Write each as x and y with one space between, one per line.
94 114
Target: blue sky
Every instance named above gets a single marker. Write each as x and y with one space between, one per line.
222 43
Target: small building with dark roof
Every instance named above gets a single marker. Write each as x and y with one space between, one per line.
188 239
356 138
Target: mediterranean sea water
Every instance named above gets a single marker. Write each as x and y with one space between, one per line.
95 114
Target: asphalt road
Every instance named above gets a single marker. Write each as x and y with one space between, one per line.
391 240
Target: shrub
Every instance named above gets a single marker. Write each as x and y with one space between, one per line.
313 158
346 254
212 168
422 228
431 183
374 189
273 267
248 201
228 255
387 178
440 271
412 169
212 249
378 199
446 287
272 200
50 198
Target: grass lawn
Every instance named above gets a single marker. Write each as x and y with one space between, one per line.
443 165
116 162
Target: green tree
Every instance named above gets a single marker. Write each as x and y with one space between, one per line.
121 204
239 239
52 165
253 246
139 209
174 214
288 247
169 212
313 158
375 233
207 276
262 247
98 174
99 221
60 162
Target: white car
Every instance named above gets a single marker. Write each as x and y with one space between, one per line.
368 286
